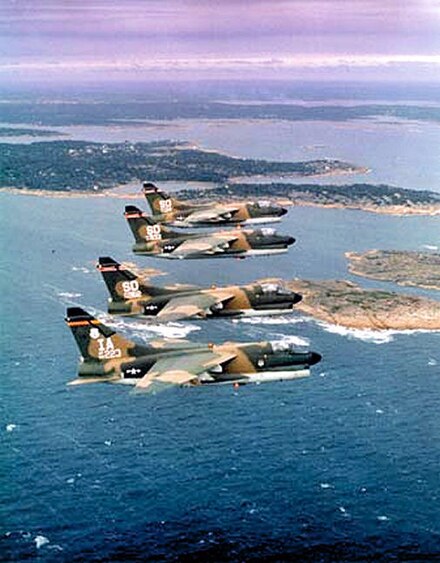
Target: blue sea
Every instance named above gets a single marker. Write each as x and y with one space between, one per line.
340 466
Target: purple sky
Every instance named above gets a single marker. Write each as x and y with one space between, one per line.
220 38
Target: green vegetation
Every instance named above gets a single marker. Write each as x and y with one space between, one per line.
80 165
363 195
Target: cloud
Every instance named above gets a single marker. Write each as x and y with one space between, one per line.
217 34
237 63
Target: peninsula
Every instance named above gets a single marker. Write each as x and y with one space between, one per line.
419 269
80 165
346 304
84 168
381 198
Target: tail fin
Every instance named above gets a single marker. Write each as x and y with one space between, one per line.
145 228
99 343
123 284
160 203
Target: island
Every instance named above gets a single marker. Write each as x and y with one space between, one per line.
346 304
410 268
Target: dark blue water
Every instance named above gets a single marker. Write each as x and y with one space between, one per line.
341 466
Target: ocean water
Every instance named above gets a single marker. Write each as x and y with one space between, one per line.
340 466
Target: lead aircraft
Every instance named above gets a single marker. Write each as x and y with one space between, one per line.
109 357
155 239
130 295
172 211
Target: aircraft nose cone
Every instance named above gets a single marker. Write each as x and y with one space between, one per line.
282 211
314 358
289 241
296 298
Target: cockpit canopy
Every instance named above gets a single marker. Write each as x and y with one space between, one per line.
264 203
267 231
277 288
288 346
282 346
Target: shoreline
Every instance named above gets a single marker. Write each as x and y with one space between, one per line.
346 304
388 276
294 175
395 210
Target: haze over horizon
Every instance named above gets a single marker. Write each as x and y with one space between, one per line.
235 39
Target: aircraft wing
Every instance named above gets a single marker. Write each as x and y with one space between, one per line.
209 244
211 214
190 306
181 369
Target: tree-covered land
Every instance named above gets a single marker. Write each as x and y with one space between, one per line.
80 165
364 195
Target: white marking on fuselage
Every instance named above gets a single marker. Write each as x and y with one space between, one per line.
258 377
263 377
261 220
264 313
262 251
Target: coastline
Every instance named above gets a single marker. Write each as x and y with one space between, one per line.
387 275
395 210
343 303
334 172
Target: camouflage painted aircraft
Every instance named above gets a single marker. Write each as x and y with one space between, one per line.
171 211
130 295
154 239
109 357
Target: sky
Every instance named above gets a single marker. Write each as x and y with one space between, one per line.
196 39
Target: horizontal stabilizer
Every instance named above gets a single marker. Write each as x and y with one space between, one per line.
149 187
107 262
78 315
133 212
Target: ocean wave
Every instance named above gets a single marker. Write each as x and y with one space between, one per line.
40 541
82 269
384 336
69 295
145 329
292 339
367 335
275 320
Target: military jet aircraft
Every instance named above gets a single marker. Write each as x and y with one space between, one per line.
171 211
109 357
130 295
154 239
